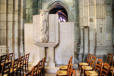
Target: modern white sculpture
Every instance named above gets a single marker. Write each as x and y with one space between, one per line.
46 36
44 26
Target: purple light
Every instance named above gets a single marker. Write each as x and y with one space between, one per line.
62 19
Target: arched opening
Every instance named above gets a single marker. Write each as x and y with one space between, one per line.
61 11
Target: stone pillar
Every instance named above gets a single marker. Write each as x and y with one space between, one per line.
42 52
50 57
22 11
92 24
11 20
84 21
18 35
2 27
10 23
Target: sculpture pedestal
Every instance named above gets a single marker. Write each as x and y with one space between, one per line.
50 57
50 68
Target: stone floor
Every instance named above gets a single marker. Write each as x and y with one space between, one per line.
50 75
77 74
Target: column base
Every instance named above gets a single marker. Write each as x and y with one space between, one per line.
51 69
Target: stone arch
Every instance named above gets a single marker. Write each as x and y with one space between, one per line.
52 4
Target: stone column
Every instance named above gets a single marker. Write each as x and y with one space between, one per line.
84 21
10 23
42 52
92 24
2 27
16 29
50 57
22 11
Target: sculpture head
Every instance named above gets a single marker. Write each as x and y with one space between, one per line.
43 12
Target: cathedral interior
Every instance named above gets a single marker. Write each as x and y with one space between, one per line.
56 37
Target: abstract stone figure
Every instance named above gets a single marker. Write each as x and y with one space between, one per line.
44 27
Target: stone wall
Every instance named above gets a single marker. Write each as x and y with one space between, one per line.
113 20
97 15
11 23
32 8
33 5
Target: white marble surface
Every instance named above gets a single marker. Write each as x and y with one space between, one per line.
35 54
65 49
36 48
61 41
36 26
